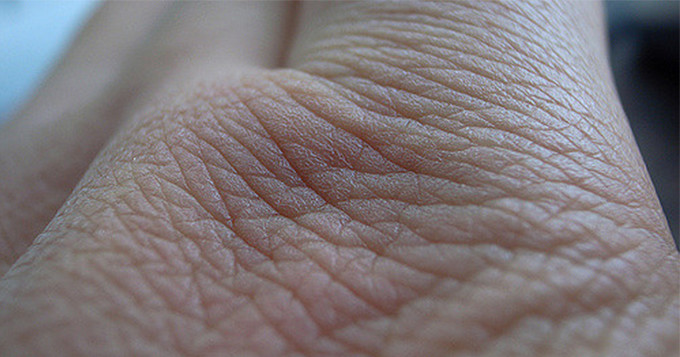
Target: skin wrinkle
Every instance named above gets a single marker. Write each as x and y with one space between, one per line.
621 316
620 284
389 37
495 328
530 277
407 170
151 284
83 279
537 30
260 194
534 142
354 170
201 163
329 202
228 221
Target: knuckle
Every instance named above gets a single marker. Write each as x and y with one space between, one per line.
525 129
338 212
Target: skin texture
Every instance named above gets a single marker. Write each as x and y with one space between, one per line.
420 179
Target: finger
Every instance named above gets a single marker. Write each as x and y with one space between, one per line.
126 55
503 75
282 212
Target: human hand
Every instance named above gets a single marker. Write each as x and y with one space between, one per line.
423 179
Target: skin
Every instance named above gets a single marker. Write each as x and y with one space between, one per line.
399 179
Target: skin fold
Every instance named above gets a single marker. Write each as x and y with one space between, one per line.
365 178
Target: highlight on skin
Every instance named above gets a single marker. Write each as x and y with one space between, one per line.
426 178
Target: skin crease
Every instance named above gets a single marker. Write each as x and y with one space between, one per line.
420 179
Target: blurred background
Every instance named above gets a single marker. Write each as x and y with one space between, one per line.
644 38
643 44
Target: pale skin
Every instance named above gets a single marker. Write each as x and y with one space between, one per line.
276 179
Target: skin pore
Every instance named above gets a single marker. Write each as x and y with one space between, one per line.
398 179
